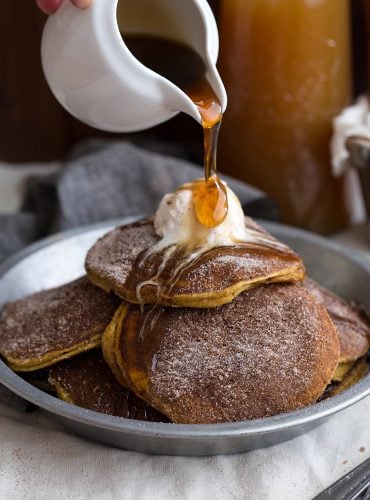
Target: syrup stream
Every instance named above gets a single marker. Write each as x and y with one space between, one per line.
184 67
209 196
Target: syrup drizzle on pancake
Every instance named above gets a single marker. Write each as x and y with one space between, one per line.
190 256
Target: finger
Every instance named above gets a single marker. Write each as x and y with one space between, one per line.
82 4
48 6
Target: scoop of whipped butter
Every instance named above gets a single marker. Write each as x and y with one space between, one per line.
176 223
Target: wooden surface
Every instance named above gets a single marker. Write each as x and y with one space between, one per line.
33 126
361 44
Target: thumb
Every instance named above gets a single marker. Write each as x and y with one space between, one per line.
48 6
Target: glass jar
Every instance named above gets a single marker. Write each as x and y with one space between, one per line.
287 69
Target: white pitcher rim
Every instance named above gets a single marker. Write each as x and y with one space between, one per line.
112 46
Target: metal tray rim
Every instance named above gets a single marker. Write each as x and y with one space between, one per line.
256 427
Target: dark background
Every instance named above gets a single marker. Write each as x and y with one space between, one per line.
33 126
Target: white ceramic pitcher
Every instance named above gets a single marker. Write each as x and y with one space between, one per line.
97 79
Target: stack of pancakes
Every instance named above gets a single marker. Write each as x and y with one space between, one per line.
237 333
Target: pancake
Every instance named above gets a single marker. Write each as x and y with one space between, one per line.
116 263
352 327
342 370
88 382
273 349
358 371
110 344
39 379
46 327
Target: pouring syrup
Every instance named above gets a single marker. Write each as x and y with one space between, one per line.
186 69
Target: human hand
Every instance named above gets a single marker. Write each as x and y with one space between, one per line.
50 6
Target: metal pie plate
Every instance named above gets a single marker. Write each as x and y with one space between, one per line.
59 259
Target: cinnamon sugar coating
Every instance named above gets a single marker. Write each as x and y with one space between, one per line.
45 327
214 278
272 350
352 327
87 381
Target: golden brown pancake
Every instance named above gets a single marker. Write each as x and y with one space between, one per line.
115 263
352 327
357 372
87 381
271 350
39 379
46 327
110 344
342 370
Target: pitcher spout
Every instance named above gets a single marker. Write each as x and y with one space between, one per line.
97 79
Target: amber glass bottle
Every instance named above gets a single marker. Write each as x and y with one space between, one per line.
287 68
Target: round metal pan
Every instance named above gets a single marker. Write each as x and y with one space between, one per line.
59 259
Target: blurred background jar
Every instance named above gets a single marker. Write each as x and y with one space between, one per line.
287 69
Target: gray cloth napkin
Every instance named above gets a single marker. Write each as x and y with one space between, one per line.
104 180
